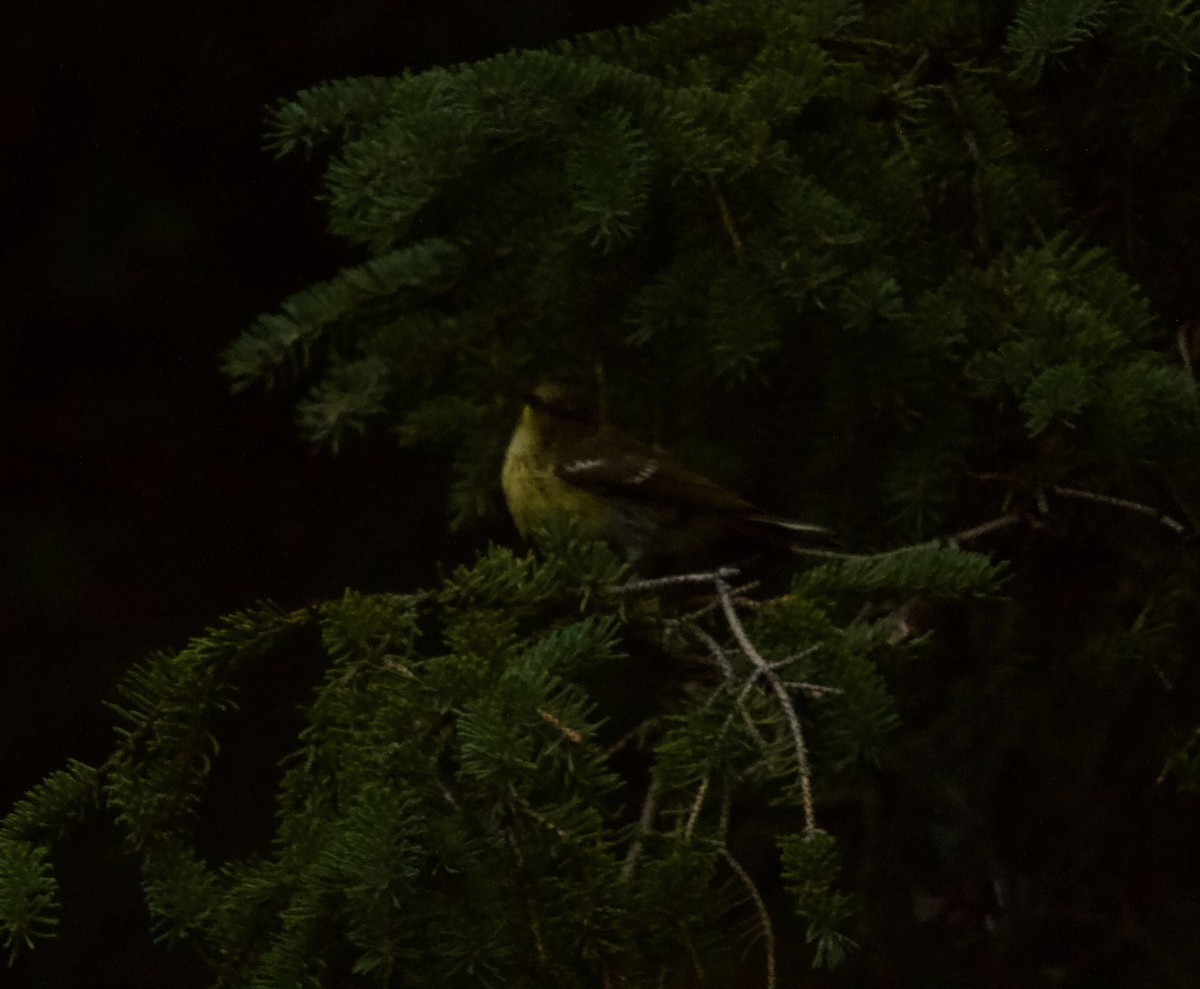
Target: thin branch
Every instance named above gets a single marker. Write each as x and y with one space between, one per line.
718 654
726 218
1184 344
972 146
674 580
1130 506
764 917
645 824
952 541
636 732
992 525
812 689
779 664
534 923
714 649
694 814
723 820
785 701
566 730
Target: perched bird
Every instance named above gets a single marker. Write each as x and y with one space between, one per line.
629 494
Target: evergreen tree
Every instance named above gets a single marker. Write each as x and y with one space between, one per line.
932 257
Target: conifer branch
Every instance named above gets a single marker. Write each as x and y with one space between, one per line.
535 925
812 689
722 660
983 529
972 145
674 580
1080 494
697 804
760 907
714 647
781 693
517 211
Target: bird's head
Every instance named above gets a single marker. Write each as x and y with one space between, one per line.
555 406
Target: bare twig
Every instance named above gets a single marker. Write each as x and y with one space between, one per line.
566 730
768 671
812 689
972 146
726 217
535 926
992 525
764 917
714 649
779 664
694 814
1130 506
674 580
645 823
718 653
785 700
963 536
723 820
1184 344
636 732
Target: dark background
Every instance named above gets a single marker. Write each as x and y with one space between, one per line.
143 227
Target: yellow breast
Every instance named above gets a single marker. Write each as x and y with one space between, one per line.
532 488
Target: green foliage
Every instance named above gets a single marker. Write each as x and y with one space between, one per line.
810 870
28 895
1183 764
54 804
579 562
352 394
166 705
457 808
1070 360
607 168
1042 30
922 270
929 569
28 888
797 201
290 336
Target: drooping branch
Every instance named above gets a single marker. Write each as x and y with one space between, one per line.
781 693
1126 504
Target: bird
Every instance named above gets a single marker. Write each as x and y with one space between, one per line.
659 514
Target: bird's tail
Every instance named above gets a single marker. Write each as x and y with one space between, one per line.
789 525
799 536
